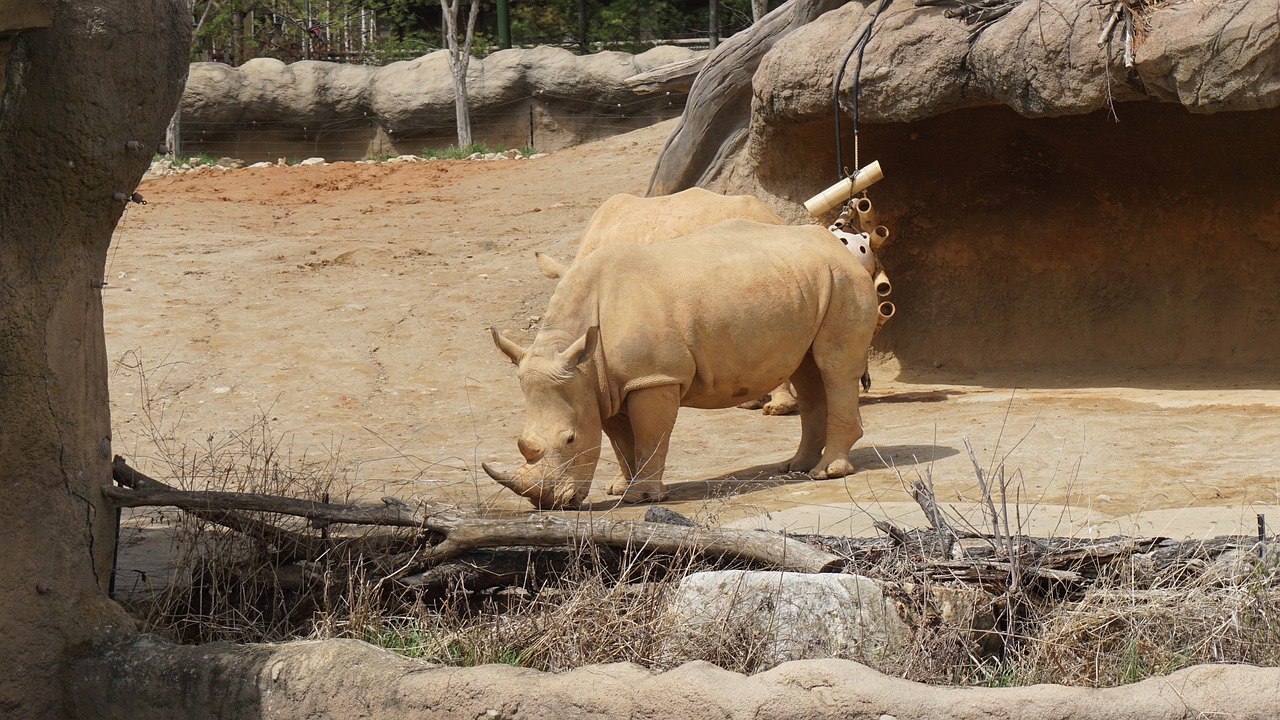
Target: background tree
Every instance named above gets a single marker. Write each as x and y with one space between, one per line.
380 31
459 61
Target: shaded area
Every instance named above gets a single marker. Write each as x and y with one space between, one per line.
1075 245
761 477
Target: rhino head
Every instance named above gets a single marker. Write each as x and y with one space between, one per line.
562 431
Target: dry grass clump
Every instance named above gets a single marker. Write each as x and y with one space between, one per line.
1125 629
591 614
227 585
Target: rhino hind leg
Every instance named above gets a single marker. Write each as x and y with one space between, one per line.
782 401
651 413
843 424
812 398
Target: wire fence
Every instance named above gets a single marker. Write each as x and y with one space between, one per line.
541 122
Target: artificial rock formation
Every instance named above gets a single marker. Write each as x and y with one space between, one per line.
348 678
266 108
1053 207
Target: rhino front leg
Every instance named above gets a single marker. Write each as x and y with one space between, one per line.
652 412
618 428
812 397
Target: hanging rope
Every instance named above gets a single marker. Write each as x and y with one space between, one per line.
860 47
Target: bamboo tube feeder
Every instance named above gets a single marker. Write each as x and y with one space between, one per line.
886 310
843 190
866 214
878 236
883 286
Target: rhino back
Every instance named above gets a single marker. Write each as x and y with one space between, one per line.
644 221
727 312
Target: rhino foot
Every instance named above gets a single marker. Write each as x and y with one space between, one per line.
781 405
798 465
753 404
837 469
644 492
617 487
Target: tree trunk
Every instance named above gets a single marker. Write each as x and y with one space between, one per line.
103 73
459 61
713 31
173 134
462 108
759 8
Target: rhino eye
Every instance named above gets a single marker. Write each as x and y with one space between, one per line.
569 440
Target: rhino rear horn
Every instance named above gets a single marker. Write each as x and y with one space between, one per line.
550 266
508 348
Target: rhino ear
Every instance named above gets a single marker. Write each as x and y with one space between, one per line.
582 349
508 348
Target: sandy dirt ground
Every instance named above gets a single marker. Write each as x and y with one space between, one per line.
348 305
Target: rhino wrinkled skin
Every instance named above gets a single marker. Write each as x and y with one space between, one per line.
708 320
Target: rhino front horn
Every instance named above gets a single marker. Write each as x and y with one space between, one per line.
504 479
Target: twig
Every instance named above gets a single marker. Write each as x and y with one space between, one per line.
922 492
899 537
982 486
1105 35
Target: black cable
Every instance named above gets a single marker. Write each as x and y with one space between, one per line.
860 47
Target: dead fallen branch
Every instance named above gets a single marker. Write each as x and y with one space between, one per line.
456 533
290 546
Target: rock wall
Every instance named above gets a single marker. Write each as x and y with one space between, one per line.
1052 209
266 109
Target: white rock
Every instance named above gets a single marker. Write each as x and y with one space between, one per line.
785 616
262 165
312 161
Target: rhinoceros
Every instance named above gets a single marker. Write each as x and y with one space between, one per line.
634 332
636 220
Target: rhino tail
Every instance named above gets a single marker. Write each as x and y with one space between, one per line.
550 266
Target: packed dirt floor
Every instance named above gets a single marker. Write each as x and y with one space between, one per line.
347 307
